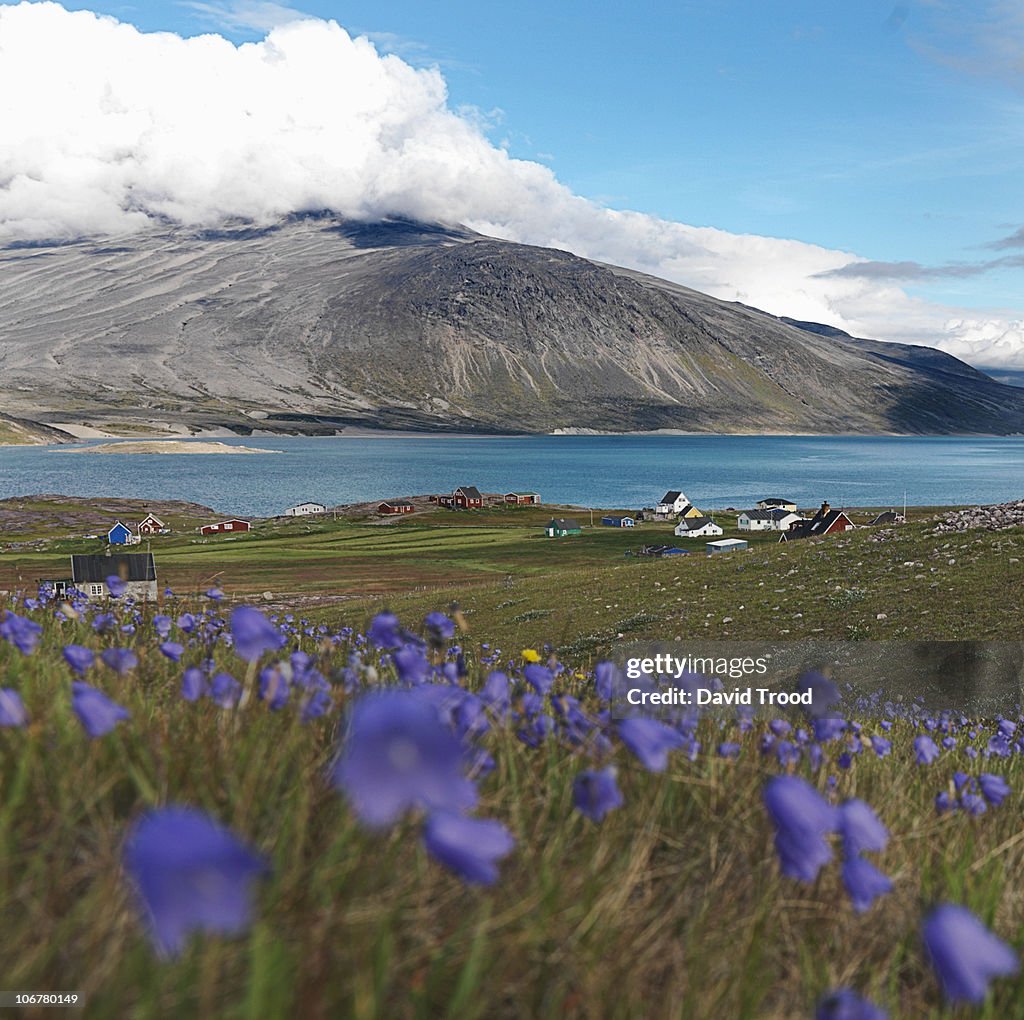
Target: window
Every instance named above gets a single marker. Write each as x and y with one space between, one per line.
95 589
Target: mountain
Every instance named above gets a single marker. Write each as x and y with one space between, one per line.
19 432
314 324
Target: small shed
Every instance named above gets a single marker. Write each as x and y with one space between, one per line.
618 522
523 498
889 517
727 545
560 527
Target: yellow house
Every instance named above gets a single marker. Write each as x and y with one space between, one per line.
690 511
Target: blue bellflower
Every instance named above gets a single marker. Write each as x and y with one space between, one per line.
96 712
192 874
965 955
398 755
12 711
802 819
471 847
595 793
253 634
846 1004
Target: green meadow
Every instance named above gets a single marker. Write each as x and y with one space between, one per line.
580 593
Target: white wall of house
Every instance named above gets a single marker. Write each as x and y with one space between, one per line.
709 529
305 508
746 523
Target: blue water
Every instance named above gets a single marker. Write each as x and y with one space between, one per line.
598 471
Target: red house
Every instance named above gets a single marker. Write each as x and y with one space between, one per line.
234 524
825 522
522 498
467 497
396 506
152 525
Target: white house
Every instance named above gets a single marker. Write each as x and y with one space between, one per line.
776 503
784 519
302 509
137 571
756 520
767 520
673 502
697 527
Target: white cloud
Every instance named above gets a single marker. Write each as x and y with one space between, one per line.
105 127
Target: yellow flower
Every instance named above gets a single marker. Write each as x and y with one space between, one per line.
530 655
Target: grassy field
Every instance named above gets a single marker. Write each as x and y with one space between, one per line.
672 906
579 594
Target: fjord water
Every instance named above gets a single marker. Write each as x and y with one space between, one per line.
623 471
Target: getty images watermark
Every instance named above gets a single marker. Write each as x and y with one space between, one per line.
713 692
677 679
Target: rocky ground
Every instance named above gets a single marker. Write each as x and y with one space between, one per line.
992 518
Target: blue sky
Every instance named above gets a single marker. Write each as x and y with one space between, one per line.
870 127
893 132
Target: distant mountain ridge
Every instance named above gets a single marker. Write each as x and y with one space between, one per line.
316 323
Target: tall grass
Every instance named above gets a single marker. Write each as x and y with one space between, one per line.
673 906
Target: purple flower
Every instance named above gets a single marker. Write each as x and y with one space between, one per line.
116 586
215 594
802 819
12 711
864 882
606 679
193 684
120 660
439 627
539 677
846 1004
471 847
173 650
79 658
162 625
828 728
96 712
384 631
973 803
861 830
881 746
411 664
944 803
965 954
824 693
925 749
995 788
253 633
728 749
225 690
20 632
274 688
596 792
192 874
650 740
397 755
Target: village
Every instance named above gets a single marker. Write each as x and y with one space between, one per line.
134 573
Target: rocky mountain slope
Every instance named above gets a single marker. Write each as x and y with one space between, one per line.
316 324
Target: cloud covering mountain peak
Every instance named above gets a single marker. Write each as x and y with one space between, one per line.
106 127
